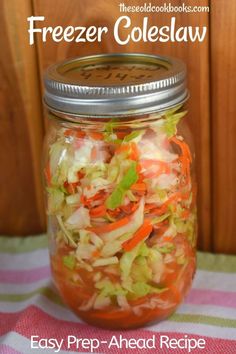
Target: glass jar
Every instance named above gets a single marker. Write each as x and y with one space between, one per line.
121 193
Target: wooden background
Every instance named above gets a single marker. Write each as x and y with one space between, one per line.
211 68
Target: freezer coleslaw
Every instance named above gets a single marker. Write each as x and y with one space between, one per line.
121 204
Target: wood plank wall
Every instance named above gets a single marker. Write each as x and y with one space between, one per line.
211 115
21 124
223 122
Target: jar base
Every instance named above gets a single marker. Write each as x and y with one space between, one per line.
124 321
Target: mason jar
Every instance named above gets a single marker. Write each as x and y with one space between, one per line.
120 187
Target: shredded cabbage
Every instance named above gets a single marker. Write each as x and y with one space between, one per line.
55 200
171 122
135 222
80 219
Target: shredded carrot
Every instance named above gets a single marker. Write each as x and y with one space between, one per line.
126 128
150 162
81 294
139 186
113 213
176 293
143 232
95 135
140 300
114 278
184 147
111 315
98 211
140 178
185 213
97 196
162 229
186 195
101 196
151 174
185 159
178 196
126 208
79 133
150 206
72 132
121 135
47 173
155 168
69 132
110 227
160 210
134 154
94 153
96 253
80 175
83 199
138 168
122 148
70 187
167 239
175 197
130 208
164 169
185 169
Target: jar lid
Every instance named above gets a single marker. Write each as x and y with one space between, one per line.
115 84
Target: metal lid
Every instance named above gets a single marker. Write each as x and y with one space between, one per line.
115 84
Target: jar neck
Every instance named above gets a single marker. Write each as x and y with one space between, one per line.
131 121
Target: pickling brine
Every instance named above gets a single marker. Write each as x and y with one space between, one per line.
121 204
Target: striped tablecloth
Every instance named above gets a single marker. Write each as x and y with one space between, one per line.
29 305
